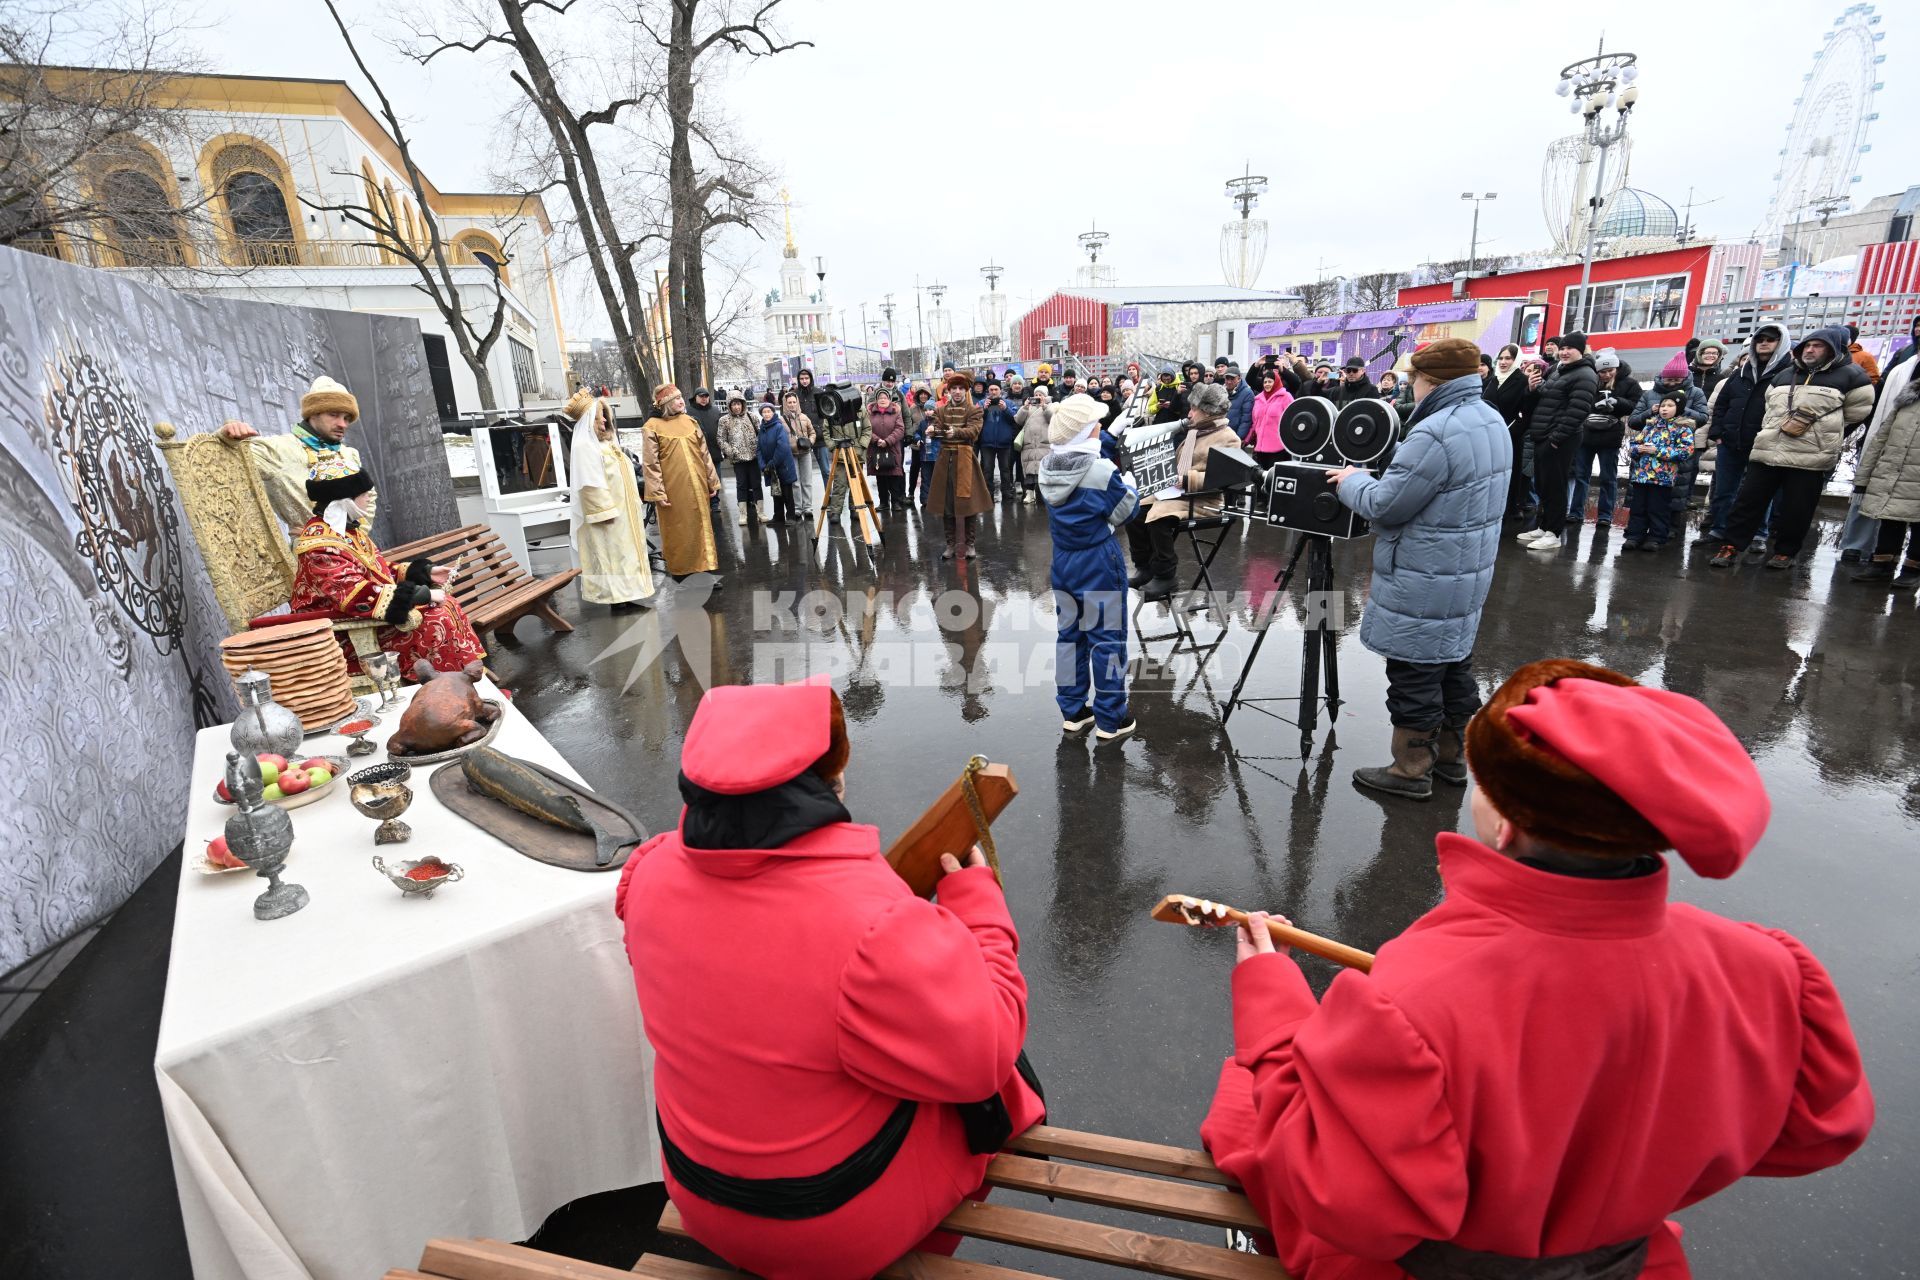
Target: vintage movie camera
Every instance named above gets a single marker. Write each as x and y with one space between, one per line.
1295 493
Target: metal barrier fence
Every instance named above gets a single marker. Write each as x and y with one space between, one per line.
1877 314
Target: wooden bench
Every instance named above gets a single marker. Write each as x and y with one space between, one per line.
1139 1177
492 588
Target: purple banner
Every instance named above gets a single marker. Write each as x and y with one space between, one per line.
1426 313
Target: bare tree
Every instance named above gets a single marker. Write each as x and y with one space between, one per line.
1317 295
475 341
574 160
1378 290
82 166
700 202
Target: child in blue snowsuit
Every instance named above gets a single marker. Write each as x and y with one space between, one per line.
1087 501
1657 449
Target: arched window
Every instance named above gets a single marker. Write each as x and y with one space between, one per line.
141 221
258 195
478 246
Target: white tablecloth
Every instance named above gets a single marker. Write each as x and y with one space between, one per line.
344 1083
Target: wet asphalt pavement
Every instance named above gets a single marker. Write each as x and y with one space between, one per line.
1129 1018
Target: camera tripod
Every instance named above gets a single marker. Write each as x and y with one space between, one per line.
846 460
1319 647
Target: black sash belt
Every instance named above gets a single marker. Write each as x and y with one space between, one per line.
1439 1260
791 1199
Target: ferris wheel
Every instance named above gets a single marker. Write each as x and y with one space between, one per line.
1821 159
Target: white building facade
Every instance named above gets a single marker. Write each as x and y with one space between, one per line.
264 157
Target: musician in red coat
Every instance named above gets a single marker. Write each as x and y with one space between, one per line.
835 1058
1556 1057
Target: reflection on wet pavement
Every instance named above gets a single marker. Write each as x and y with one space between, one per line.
1129 1019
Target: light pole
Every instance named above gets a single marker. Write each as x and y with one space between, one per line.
1594 84
886 309
1473 246
939 292
919 324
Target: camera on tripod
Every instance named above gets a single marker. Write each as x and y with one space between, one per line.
1320 438
838 404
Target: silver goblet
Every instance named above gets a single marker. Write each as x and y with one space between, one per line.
380 791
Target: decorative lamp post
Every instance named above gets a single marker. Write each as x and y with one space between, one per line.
1473 246
1596 85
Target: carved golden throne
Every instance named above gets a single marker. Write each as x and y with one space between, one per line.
241 540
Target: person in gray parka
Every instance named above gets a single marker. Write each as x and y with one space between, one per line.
1436 525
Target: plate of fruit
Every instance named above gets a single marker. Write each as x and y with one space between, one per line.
216 859
291 784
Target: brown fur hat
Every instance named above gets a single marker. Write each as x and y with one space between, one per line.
956 378
1542 792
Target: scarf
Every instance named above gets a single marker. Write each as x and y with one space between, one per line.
1499 378
317 443
760 819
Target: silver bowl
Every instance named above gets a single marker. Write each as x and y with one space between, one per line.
412 888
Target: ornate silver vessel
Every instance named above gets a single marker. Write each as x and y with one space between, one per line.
260 835
263 725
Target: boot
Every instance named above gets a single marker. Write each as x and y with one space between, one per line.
1450 765
1411 773
1139 578
741 516
1158 589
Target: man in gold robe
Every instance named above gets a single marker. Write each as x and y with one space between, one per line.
679 479
285 462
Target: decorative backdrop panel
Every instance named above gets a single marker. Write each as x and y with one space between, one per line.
108 628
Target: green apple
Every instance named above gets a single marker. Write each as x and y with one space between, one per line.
269 773
273 792
319 777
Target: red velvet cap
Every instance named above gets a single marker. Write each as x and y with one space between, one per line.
749 737
1666 755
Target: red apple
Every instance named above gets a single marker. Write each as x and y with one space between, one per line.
220 790
293 781
315 762
278 762
219 855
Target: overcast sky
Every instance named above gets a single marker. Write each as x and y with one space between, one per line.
925 139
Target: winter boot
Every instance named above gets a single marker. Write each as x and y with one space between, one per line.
1450 765
1411 773
1139 578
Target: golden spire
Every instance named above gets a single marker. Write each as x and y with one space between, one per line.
786 212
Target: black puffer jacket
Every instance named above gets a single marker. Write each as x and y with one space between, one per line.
1606 422
1739 404
1560 411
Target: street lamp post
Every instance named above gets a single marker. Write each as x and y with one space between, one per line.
1595 85
939 292
1473 246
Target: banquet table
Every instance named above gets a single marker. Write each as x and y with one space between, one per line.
375 1069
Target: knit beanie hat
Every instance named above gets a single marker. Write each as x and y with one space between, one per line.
1715 343
1071 420
1445 359
1606 358
1587 760
1676 369
1578 341
328 396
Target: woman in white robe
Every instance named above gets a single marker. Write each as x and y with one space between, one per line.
609 522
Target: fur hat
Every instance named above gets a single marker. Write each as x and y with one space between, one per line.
1071 420
1209 398
1445 359
334 478
328 396
956 381
662 394
577 404
1586 760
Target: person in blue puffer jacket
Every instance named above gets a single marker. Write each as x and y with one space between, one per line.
998 458
776 461
1436 527
1087 501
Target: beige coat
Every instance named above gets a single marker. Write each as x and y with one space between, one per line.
1201 441
1890 463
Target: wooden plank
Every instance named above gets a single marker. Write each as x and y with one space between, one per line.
407 550
915 1266
497 1260
655 1267
1119 1153
1115 1246
1214 1206
947 827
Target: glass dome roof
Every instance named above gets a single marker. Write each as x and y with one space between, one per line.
1633 212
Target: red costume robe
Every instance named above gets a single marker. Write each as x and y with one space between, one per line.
345 575
793 997
1541 1065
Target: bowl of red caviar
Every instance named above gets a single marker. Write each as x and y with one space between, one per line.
419 877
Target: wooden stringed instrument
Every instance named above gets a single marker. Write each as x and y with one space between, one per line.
1180 908
958 820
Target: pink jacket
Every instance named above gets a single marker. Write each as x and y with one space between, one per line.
793 997
1267 408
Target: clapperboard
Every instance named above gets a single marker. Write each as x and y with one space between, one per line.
1153 455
